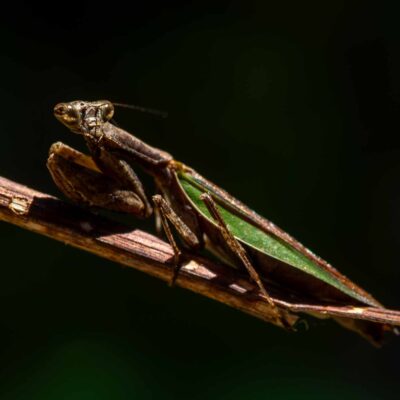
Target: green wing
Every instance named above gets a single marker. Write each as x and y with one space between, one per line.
258 239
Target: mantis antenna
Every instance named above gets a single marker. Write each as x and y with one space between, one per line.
157 113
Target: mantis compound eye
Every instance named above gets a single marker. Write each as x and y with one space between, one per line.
107 110
68 114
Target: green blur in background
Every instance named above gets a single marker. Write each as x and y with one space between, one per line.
293 109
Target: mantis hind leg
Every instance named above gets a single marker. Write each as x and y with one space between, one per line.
240 252
168 216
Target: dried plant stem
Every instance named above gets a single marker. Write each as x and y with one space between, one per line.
49 216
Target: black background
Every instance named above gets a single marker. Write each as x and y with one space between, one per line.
292 108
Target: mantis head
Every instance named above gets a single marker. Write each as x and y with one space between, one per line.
83 116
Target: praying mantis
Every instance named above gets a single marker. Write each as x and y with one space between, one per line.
196 214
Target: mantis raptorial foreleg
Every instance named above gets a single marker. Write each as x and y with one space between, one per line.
70 154
81 180
120 170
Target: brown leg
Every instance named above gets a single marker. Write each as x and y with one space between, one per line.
120 171
72 155
168 216
240 252
79 178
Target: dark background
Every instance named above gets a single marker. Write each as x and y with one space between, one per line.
292 108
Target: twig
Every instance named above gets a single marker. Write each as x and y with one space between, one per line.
49 216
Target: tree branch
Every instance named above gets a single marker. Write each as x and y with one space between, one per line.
49 216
